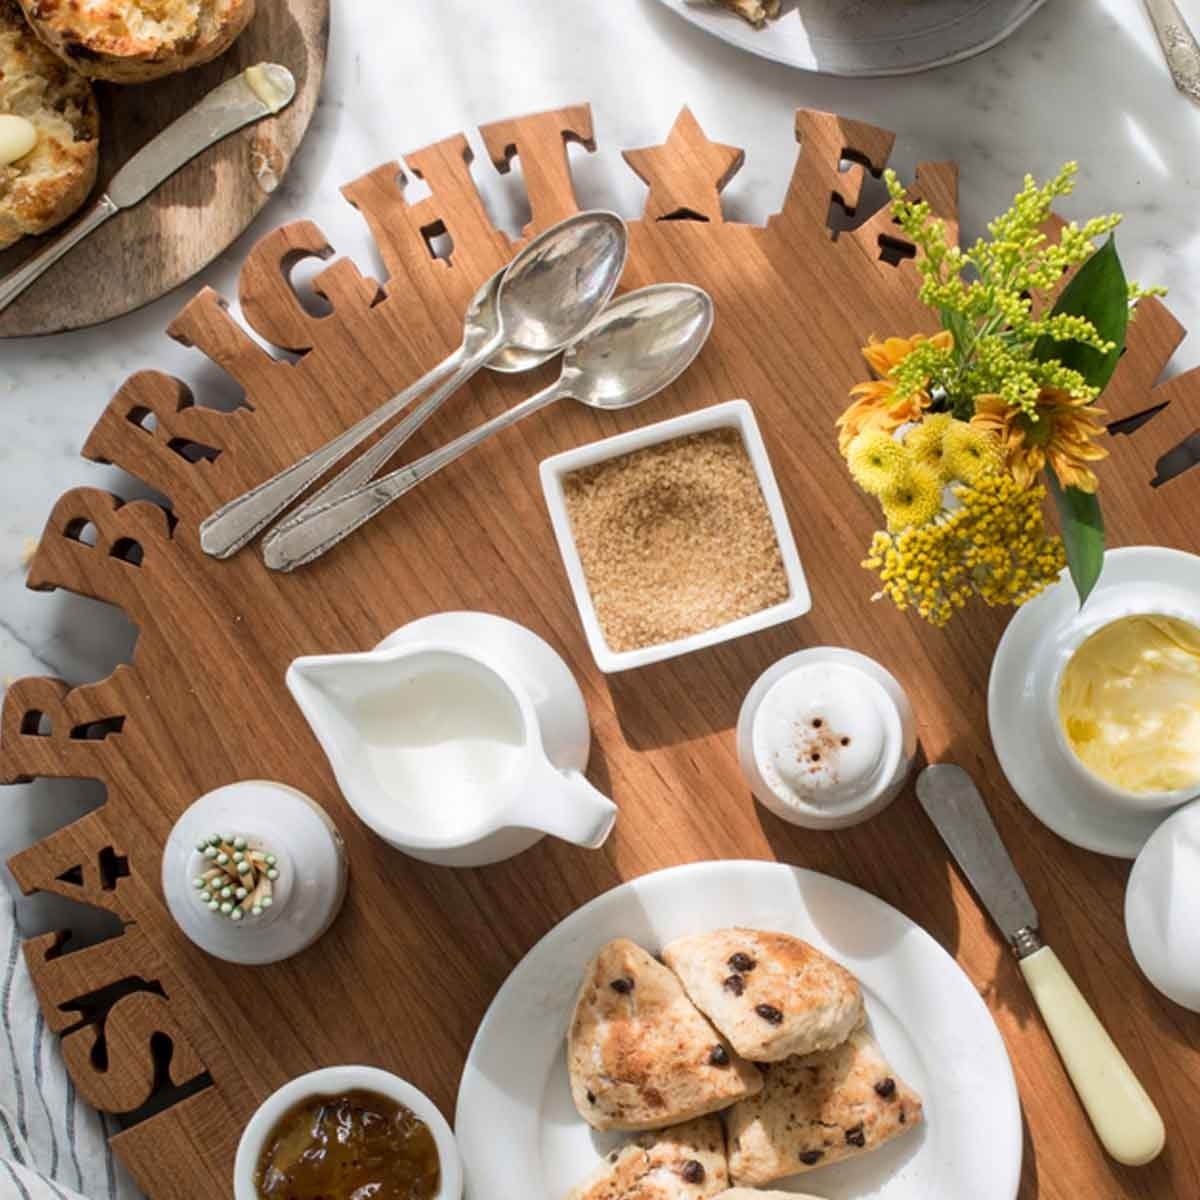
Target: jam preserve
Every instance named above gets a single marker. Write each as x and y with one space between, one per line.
349 1147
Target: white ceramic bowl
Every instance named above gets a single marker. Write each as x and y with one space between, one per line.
1162 908
1145 601
733 414
1023 696
334 1081
881 702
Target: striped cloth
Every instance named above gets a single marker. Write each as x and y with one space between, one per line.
52 1145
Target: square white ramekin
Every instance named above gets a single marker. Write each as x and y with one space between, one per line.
734 414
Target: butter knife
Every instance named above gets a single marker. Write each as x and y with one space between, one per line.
1179 46
257 92
1123 1115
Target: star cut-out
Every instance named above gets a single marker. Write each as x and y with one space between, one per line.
687 173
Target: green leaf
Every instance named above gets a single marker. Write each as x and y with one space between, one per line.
1098 291
1083 534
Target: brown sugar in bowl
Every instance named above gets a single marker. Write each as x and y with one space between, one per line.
674 536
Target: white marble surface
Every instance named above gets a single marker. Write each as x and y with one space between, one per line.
1082 80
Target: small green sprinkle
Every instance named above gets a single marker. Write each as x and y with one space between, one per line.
222 859
241 893
238 856
272 873
267 902
256 911
197 883
202 845
210 852
239 843
205 896
227 837
236 915
227 908
214 839
271 860
244 868
226 892
214 905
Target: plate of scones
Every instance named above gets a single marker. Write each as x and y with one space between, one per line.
737 1030
859 37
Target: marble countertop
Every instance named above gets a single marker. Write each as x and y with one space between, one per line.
1083 80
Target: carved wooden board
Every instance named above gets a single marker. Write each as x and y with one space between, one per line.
404 976
144 252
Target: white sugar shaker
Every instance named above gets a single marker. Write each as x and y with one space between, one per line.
826 738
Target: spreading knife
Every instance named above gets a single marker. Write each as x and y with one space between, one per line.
1123 1115
257 92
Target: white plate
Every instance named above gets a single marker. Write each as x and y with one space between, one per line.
867 37
519 1133
1020 715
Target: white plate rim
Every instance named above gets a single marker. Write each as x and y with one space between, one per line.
1051 789
762 44
961 1018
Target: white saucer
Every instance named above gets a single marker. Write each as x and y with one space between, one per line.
1054 789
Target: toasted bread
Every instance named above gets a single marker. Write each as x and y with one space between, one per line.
44 187
131 41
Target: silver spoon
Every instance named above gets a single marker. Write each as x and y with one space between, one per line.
541 302
641 343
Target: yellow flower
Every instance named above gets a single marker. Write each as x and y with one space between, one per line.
1062 437
877 461
993 546
968 452
876 403
924 442
914 499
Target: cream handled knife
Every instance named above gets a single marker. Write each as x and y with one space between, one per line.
1124 1117
257 92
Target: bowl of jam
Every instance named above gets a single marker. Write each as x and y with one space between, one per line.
347 1132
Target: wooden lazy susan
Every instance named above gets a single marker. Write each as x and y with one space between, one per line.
401 980
145 251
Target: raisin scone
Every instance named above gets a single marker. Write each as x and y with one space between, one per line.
131 41
685 1163
771 994
819 1109
639 1054
757 12
42 188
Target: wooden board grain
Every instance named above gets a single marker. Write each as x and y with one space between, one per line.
405 974
144 252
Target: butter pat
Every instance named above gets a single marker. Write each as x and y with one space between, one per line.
17 138
1129 704
272 84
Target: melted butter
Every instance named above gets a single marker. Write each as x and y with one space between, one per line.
272 84
1129 704
17 137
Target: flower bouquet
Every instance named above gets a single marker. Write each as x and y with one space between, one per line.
963 434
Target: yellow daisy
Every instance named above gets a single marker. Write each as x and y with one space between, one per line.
877 461
968 452
915 499
924 442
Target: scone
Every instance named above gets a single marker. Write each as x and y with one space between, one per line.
685 1163
818 1110
44 187
639 1055
771 994
757 12
131 41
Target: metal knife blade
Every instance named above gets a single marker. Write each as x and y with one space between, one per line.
235 103
952 801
